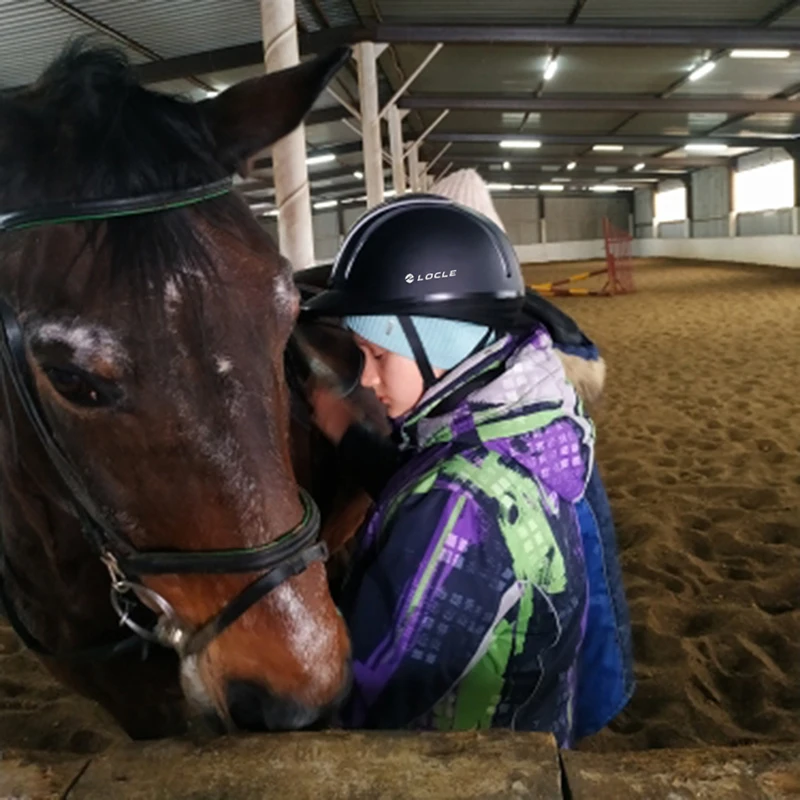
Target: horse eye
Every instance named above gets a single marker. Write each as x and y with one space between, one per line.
78 388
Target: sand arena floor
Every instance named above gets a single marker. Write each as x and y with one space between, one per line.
699 443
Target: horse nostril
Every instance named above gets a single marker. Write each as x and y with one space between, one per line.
255 708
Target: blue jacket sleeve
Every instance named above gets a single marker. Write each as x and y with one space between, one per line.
422 605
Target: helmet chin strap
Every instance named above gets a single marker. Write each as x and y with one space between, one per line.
420 356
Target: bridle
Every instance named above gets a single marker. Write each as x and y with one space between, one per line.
278 560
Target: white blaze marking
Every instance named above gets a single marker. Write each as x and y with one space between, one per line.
194 688
88 342
305 637
285 294
172 295
224 365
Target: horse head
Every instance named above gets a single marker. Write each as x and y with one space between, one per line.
153 340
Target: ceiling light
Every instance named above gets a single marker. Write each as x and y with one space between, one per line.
560 180
639 167
326 204
272 213
506 165
322 158
701 71
390 193
760 53
551 68
572 165
605 187
608 148
499 187
358 174
551 187
520 144
706 147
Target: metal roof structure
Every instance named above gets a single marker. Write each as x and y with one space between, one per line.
602 91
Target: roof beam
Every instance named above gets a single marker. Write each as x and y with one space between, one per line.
522 176
772 16
246 55
618 36
113 33
321 116
634 140
344 149
242 55
599 103
263 184
780 10
594 160
409 80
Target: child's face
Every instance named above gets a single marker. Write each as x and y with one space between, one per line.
395 379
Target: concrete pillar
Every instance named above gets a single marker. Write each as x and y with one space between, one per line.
689 229
796 209
732 220
370 122
413 168
542 221
395 117
341 228
292 192
423 181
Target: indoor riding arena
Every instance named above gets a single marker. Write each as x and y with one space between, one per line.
643 159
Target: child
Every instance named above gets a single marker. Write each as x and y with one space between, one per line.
467 598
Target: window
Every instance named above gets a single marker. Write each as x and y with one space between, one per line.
764 188
671 204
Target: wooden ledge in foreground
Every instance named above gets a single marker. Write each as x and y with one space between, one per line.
398 766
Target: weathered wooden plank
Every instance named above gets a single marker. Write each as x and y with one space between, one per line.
745 773
334 766
37 775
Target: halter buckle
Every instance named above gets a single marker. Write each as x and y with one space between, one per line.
119 583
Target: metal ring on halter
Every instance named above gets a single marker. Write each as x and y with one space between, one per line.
168 630
125 619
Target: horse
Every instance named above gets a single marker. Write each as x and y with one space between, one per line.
152 470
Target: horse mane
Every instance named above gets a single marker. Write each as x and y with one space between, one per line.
86 130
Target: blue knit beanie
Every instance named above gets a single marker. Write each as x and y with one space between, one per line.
447 342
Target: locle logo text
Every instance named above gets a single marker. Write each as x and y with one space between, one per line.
431 276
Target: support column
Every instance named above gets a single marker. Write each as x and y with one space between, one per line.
340 224
542 220
687 182
733 222
423 176
292 191
395 117
413 168
370 122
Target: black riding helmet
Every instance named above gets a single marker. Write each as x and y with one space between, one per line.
424 255
427 256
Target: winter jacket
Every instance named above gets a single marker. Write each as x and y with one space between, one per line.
467 598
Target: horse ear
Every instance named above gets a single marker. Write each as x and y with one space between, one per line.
255 113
